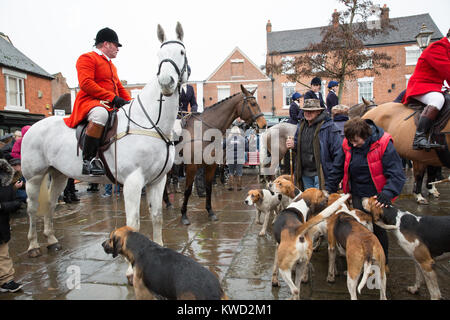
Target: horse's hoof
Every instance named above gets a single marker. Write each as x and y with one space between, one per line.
185 221
331 279
275 283
413 290
130 279
34 253
213 217
54 247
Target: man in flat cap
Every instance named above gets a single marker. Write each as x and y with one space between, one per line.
100 92
317 142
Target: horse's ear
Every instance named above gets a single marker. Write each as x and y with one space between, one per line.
161 35
245 91
367 103
253 92
179 31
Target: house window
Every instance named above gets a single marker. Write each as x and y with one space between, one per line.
223 92
365 89
288 91
288 65
369 63
412 55
15 90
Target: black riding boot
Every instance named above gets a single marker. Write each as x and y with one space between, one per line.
426 119
91 164
71 188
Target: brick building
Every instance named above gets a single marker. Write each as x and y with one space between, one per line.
400 44
235 70
25 88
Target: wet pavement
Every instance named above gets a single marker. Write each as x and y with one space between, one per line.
230 248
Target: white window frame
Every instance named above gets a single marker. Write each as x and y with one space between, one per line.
365 80
369 63
407 76
285 96
20 95
412 54
219 88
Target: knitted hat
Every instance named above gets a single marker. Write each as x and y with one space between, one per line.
107 34
311 105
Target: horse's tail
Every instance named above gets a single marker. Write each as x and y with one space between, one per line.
44 197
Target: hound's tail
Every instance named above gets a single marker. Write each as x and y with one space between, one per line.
44 197
367 270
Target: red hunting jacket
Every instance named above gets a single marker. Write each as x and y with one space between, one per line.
433 67
98 80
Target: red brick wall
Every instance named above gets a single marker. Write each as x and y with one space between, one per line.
42 105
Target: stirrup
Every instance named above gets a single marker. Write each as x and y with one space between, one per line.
96 167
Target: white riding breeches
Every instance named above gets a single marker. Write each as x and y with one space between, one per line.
98 115
432 98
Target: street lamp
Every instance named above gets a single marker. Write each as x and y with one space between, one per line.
423 38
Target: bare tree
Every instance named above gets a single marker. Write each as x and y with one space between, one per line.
341 55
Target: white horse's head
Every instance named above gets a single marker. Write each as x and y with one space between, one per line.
173 65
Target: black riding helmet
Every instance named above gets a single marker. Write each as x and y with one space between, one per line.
107 34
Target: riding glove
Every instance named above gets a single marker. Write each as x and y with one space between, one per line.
119 102
383 199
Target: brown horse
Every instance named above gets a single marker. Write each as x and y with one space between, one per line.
219 116
395 118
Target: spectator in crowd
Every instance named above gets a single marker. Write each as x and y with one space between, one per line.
317 143
295 114
314 93
8 205
368 165
236 146
17 148
340 116
332 98
7 144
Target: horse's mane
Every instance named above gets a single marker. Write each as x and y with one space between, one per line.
215 105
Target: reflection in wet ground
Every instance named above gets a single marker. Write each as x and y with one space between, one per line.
230 248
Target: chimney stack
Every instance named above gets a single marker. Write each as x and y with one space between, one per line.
335 18
268 26
384 15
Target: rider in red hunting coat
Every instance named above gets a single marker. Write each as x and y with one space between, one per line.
98 80
425 85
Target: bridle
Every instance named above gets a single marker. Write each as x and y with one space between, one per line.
246 104
179 72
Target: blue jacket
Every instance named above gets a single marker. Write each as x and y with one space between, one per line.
361 183
294 111
340 120
329 141
332 100
187 98
312 95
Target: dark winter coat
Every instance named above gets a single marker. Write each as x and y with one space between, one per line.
187 98
361 183
327 143
8 204
340 120
294 113
332 100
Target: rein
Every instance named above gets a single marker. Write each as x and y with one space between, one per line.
246 104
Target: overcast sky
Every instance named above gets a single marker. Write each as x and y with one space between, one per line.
54 33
